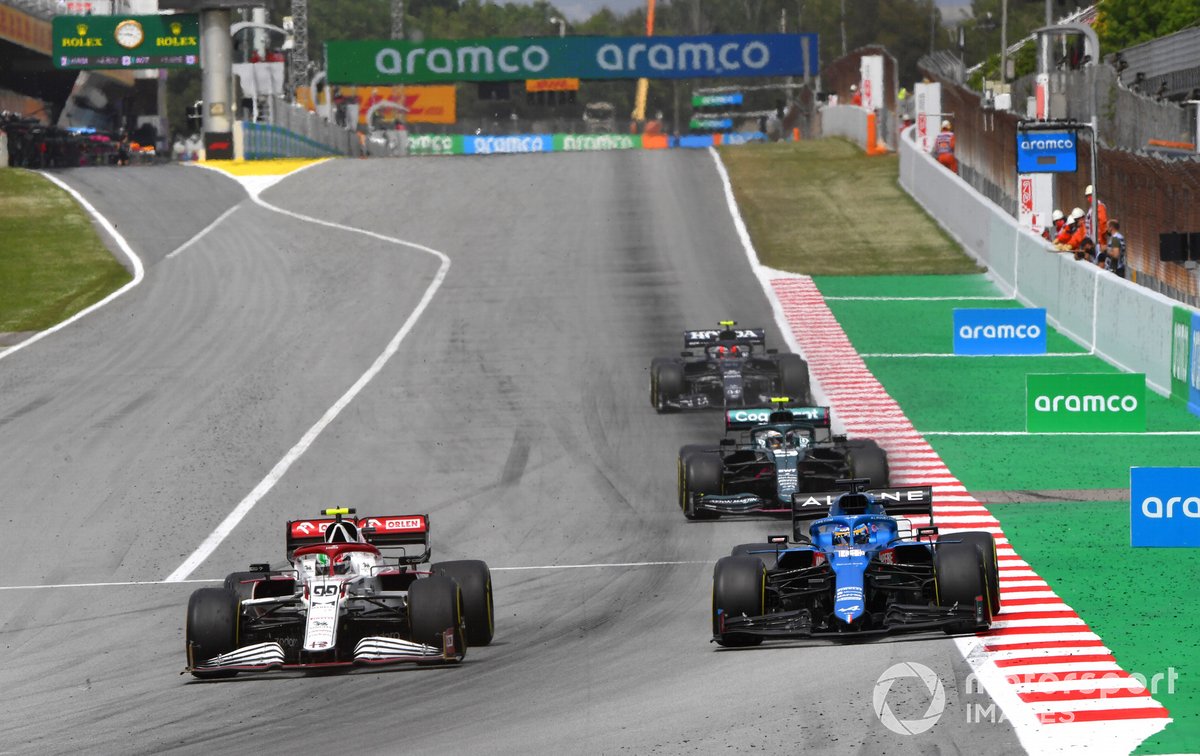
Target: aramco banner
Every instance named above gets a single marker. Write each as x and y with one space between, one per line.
451 60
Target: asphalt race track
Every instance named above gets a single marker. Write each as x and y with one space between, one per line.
515 413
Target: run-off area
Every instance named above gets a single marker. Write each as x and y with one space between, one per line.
1141 602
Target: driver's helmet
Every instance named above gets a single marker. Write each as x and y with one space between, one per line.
343 531
771 439
343 564
862 533
841 536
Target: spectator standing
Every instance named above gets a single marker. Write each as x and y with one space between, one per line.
1114 261
943 148
855 95
1096 211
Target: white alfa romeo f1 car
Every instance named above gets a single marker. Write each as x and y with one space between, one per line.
342 602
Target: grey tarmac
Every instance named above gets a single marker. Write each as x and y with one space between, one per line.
515 413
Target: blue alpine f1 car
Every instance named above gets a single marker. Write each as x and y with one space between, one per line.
768 455
851 569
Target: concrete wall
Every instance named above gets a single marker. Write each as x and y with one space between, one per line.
1125 324
848 121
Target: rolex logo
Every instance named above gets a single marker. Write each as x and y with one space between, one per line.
176 28
81 29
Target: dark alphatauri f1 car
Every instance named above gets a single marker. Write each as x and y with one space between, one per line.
854 570
341 602
779 453
732 369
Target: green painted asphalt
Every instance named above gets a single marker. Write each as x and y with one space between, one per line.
1141 602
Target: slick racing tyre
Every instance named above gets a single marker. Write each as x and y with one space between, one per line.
991 563
867 460
212 625
793 379
238 583
960 576
434 606
699 473
475 581
666 382
767 553
739 588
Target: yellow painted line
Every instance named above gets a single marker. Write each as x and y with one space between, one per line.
276 167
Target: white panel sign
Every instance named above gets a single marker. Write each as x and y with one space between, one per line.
871 86
928 96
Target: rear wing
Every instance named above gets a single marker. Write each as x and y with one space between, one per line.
748 417
897 502
756 336
386 532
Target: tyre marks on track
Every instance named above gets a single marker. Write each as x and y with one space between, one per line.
1054 678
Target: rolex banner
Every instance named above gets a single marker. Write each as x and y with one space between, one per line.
83 42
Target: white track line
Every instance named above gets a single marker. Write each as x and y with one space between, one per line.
203 232
528 568
222 531
1035 734
138 271
764 276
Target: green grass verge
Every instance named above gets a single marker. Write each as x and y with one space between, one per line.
1141 602
824 207
53 263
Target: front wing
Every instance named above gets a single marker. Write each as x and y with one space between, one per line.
899 618
735 504
372 650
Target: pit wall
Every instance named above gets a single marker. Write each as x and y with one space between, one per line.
1127 325
261 141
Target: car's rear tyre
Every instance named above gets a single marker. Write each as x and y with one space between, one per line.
867 460
959 577
767 553
666 382
699 473
739 588
434 606
794 382
211 628
991 563
475 581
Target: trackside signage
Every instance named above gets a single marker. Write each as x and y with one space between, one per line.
1185 358
1046 152
999 331
1164 506
1194 367
1181 355
500 59
1085 403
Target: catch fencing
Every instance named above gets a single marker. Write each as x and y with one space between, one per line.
1148 194
1126 324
